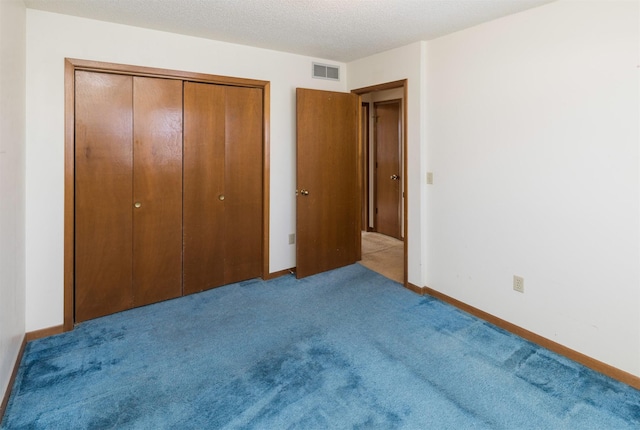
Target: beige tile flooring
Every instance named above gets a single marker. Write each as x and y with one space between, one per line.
383 254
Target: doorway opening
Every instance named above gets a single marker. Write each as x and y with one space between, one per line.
382 157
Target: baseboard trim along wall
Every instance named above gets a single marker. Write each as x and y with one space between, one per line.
576 356
414 288
16 366
45 332
280 273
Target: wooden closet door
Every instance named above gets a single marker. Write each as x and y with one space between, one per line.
204 191
157 190
222 185
243 184
103 211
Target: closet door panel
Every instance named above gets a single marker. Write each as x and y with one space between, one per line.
243 183
103 212
157 189
204 189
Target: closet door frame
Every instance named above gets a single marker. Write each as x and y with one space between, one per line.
71 65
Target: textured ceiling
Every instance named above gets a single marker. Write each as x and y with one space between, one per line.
340 30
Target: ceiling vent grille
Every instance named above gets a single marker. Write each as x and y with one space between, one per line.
325 71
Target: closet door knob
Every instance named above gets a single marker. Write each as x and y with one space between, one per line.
137 204
221 197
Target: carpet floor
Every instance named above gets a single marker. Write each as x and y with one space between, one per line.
346 349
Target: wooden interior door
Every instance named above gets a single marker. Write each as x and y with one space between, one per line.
157 190
328 201
203 204
364 163
222 185
103 194
243 184
388 190
128 192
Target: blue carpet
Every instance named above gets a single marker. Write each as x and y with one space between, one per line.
346 349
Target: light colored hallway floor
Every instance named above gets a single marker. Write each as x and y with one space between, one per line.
383 254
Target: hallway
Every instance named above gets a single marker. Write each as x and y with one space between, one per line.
383 254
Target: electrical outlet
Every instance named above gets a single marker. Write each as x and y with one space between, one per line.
292 238
429 178
518 283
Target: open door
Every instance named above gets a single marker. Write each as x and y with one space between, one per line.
328 200
388 190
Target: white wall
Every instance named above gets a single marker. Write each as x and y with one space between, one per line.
533 134
51 38
407 62
12 184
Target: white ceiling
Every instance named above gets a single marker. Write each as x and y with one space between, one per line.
339 30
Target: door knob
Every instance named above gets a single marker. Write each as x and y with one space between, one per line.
395 177
221 197
137 204
304 192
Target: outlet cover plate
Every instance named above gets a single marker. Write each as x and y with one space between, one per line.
518 283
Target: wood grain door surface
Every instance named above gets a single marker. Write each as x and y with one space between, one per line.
364 163
203 231
222 185
388 194
128 192
157 189
327 215
243 184
150 216
103 194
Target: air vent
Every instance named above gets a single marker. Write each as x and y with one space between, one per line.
325 71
